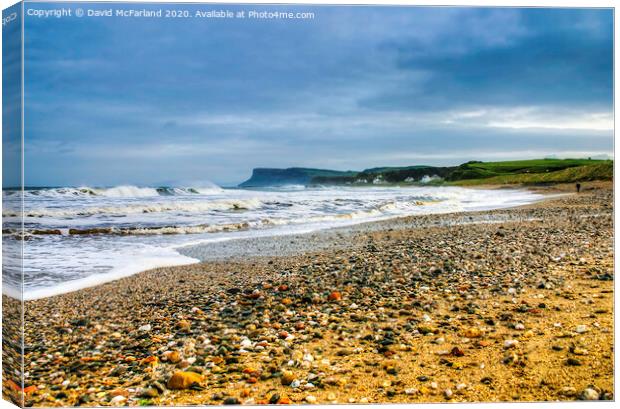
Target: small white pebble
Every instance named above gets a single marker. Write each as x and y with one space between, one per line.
448 393
581 329
310 399
589 394
510 343
118 399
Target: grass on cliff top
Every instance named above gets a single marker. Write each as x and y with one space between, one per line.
595 170
480 170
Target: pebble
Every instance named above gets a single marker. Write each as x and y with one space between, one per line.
580 329
510 358
145 328
231 401
510 343
473 332
311 399
287 378
458 352
448 393
568 391
173 357
183 380
118 400
335 296
149 393
184 325
589 394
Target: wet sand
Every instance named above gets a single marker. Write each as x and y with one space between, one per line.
505 305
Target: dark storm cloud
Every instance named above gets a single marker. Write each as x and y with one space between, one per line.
117 101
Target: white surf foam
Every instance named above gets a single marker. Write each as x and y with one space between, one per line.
126 268
143 232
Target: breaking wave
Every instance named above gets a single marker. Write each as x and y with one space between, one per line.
378 211
80 236
143 208
127 191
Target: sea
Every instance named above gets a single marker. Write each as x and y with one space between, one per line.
76 237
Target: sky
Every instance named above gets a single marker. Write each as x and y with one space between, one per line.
152 101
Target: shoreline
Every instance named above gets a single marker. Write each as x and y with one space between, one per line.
288 243
395 313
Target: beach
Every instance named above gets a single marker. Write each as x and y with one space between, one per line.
502 305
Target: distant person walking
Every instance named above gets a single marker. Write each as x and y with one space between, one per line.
578 186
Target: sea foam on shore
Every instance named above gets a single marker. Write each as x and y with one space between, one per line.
80 237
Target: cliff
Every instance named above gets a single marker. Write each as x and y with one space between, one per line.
292 176
474 172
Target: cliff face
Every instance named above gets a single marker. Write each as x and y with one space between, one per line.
292 176
275 177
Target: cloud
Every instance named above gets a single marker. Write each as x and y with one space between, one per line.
139 101
533 118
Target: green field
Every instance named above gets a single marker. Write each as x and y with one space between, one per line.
534 171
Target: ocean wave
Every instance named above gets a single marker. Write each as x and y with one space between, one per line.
127 191
184 207
265 222
129 231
